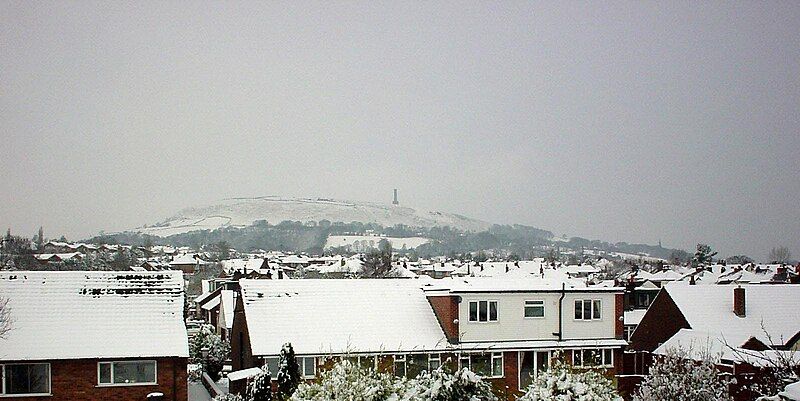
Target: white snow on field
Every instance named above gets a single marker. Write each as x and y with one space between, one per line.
240 212
363 242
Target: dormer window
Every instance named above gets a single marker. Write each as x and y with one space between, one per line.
483 311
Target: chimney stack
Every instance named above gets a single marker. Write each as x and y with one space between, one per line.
739 307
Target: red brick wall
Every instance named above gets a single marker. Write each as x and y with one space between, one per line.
76 380
662 320
619 312
446 310
241 352
510 375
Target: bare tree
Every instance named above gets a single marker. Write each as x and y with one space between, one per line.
5 318
780 254
778 367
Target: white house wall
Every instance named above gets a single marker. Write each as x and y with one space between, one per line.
512 324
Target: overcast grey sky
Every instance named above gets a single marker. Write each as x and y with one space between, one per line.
625 121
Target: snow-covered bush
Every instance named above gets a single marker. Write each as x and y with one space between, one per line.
288 372
217 349
259 388
346 381
563 383
228 397
677 377
439 385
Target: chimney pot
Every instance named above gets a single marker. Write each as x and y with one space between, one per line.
739 305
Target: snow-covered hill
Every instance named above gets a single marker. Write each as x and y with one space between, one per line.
241 212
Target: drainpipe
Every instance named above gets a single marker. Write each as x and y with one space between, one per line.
560 332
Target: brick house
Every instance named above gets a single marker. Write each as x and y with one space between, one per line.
505 330
80 335
740 323
187 263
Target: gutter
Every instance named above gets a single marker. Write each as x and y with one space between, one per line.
560 332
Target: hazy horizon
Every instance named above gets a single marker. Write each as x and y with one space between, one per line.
617 121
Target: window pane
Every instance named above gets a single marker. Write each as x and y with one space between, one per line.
591 357
596 309
587 310
497 365
493 311
525 369
534 308
416 364
542 360
464 362
482 311
28 379
272 365
400 365
105 373
576 358
308 367
367 362
473 311
434 362
578 310
607 358
481 364
134 372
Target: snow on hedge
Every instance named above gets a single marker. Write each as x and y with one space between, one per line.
346 381
675 376
562 383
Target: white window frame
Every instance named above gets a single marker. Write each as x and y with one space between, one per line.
398 359
601 351
112 384
592 310
3 380
533 303
497 355
434 357
489 303
303 360
628 330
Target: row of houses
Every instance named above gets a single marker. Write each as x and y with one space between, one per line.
505 330
121 335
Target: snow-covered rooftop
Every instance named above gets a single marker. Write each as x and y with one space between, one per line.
633 317
700 345
522 282
78 314
709 309
228 299
791 392
338 316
